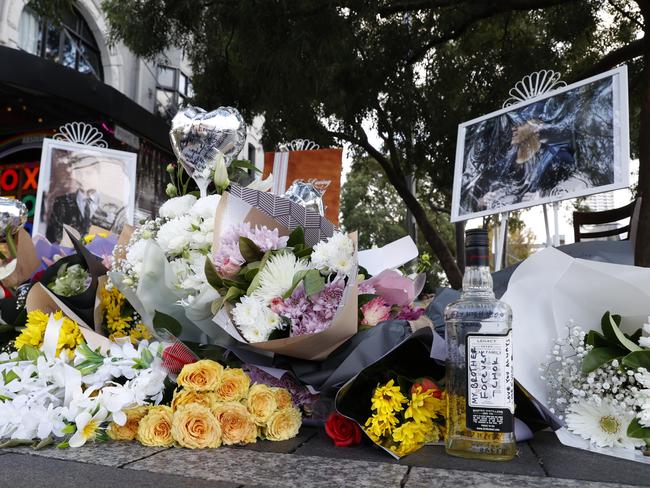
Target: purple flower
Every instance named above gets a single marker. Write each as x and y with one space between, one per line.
300 394
409 312
309 315
228 258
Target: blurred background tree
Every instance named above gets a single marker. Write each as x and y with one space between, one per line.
406 72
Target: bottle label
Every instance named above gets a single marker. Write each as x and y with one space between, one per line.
490 383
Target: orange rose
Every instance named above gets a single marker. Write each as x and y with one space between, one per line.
234 386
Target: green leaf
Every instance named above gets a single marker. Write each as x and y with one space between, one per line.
9 376
167 322
296 237
610 325
599 356
596 339
212 275
69 429
28 353
636 336
297 278
249 250
63 445
256 281
233 294
304 253
16 442
314 282
217 305
244 164
636 430
44 443
638 359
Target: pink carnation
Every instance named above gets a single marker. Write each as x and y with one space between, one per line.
375 311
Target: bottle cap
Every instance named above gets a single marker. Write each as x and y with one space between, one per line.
476 247
476 238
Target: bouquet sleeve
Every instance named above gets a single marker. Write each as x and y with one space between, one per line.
27 261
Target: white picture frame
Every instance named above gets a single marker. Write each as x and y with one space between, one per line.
470 202
75 176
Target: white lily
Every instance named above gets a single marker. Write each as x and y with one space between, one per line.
87 427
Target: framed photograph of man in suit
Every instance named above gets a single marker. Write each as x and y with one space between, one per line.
83 186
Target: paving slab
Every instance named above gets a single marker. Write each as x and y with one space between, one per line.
282 447
21 471
271 469
443 478
566 462
105 453
526 462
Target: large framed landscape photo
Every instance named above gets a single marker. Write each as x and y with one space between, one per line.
567 143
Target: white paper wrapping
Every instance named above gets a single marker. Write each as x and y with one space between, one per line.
549 289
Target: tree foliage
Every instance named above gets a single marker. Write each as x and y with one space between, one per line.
411 70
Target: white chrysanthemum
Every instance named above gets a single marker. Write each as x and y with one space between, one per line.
336 255
277 275
135 255
174 236
205 207
175 207
601 423
255 320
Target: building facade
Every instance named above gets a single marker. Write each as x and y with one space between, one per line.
56 73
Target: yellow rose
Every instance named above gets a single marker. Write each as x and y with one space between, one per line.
261 403
155 428
194 426
204 375
283 424
185 397
236 422
129 430
283 397
234 386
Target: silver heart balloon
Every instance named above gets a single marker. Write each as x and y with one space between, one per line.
13 215
198 137
306 194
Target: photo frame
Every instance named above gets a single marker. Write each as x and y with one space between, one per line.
567 143
83 186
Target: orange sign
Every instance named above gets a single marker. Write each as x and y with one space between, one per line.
322 165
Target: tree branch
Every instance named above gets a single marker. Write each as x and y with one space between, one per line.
626 14
482 11
436 208
630 51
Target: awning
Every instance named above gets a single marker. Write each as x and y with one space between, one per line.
57 94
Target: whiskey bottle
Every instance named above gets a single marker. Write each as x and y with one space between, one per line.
479 373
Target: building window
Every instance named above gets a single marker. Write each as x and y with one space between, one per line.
173 89
70 42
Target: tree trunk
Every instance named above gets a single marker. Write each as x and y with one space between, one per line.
432 237
642 244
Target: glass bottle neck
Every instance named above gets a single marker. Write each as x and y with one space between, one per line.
477 281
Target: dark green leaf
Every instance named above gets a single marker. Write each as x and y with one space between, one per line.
599 356
28 353
48 441
596 339
212 275
243 164
304 253
610 325
636 336
636 430
167 322
314 282
297 237
638 359
236 283
249 250
233 294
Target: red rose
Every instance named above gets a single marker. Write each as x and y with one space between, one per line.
176 356
343 431
427 384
